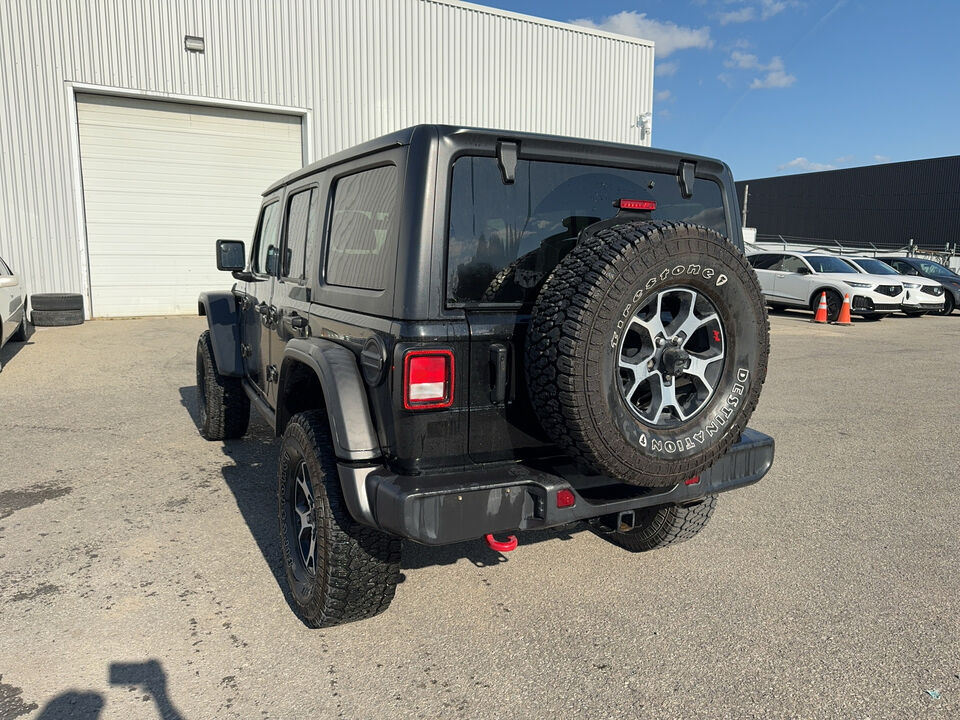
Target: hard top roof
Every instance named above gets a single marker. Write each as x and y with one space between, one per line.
405 136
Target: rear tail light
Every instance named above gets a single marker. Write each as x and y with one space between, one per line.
427 379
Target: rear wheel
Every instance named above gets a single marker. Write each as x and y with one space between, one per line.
663 525
224 406
338 571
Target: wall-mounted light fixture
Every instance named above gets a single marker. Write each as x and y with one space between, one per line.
193 43
645 123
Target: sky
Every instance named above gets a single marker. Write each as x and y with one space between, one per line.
785 86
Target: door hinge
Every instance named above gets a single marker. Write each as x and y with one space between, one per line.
272 373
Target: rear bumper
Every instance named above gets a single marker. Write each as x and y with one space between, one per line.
445 508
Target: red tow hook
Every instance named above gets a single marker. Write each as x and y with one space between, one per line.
506 546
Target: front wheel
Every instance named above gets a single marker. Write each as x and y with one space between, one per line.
834 303
224 406
948 305
338 571
663 525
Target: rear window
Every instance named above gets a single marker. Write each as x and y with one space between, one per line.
503 240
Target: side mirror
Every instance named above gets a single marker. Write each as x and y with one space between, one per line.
231 255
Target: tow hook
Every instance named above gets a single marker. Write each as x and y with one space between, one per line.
505 546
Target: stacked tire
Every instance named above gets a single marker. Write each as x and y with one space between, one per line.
56 309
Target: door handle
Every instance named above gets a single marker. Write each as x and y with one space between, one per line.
498 375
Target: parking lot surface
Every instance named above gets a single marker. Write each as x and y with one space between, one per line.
140 568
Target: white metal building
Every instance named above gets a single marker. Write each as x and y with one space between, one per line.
133 133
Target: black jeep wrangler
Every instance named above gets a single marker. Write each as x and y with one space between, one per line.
462 333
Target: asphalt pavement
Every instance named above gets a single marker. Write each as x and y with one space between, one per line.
140 572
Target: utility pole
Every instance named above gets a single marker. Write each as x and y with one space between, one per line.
746 197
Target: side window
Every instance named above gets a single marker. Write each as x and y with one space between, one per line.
792 264
362 244
763 262
301 228
268 240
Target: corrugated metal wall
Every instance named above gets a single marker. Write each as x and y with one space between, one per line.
360 68
887 205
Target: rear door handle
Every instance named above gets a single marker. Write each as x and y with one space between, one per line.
498 373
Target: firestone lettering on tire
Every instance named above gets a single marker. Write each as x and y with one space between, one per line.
676 271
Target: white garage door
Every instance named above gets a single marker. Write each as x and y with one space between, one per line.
161 182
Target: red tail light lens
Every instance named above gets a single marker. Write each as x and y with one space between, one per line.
427 379
695 480
626 204
565 498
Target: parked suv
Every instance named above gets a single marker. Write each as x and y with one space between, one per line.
796 279
920 294
461 333
920 267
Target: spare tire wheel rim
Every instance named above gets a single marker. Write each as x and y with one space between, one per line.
671 356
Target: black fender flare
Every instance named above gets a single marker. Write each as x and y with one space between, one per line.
344 394
220 309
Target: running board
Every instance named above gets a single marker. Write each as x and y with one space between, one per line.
260 404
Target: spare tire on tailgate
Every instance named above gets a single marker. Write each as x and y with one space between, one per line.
647 350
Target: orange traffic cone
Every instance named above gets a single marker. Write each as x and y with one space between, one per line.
844 317
821 316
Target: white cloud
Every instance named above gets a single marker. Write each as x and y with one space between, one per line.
663 96
844 160
801 164
769 8
745 61
881 159
765 10
668 36
665 69
744 14
725 79
776 75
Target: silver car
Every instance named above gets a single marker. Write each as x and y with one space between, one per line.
13 314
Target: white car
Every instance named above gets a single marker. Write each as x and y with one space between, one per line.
923 295
794 279
13 315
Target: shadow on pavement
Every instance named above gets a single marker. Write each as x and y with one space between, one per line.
10 350
147 677
150 677
252 480
73 704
